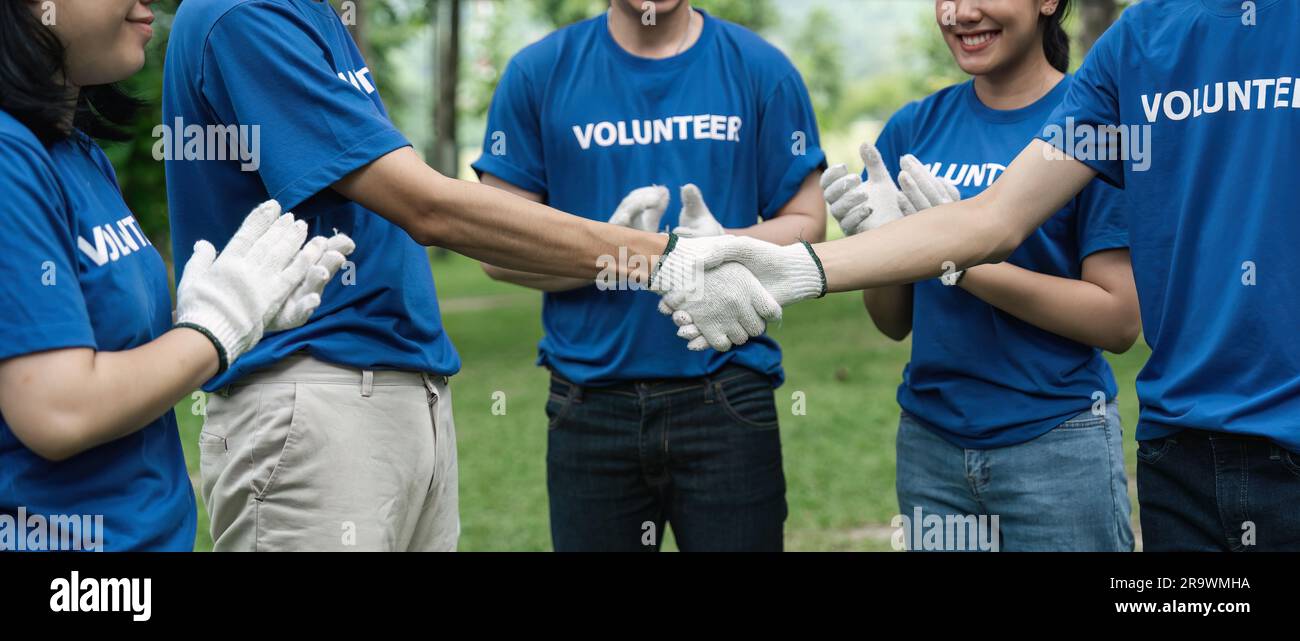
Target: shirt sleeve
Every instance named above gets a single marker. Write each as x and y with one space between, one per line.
1102 219
1091 101
264 66
512 145
789 145
43 305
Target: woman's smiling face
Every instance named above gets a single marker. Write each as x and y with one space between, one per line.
104 39
986 35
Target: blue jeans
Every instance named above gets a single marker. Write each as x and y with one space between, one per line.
1210 491
703 455
1065 490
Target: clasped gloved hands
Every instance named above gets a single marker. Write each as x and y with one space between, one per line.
721 290
266 279
714 302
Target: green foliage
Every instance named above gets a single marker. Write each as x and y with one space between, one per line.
819 59
558 13
757 15
389 26
487 56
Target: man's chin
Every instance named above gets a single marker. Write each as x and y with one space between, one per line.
662 7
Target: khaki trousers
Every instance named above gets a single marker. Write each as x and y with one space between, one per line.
307 456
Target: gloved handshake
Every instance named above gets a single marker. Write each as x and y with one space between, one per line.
720 290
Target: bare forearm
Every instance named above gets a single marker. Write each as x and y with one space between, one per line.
507 231
788 229
986 228
66 402
531 280
802 218
890 309
920 246
493 226
1075 309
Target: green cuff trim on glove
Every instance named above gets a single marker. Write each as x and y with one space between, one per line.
672 244
222 362
668 249
821 271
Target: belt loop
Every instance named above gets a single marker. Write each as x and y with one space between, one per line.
575 392
367 383
708 390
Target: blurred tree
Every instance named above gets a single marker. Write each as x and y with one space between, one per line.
381 29
443 150
1095 17
354 17
819 59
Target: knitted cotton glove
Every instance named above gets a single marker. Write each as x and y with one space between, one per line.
788 274
925 190
304 300
727 307
696 221
642 208
922 188
231 297
859 206
791 273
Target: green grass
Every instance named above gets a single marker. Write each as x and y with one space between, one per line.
839 456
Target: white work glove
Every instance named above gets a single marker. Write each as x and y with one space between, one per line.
691 284
925 190
305 298
696 221
859 206
642 208
727 307
231 298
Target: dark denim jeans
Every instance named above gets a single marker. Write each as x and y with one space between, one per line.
703 455
1211 491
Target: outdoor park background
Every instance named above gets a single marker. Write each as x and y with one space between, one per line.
437 62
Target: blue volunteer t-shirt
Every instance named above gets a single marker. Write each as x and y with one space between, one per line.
284 77
1208 93
982 377
79 272
583 122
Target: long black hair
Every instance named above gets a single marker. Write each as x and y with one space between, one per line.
32 90
1056 42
